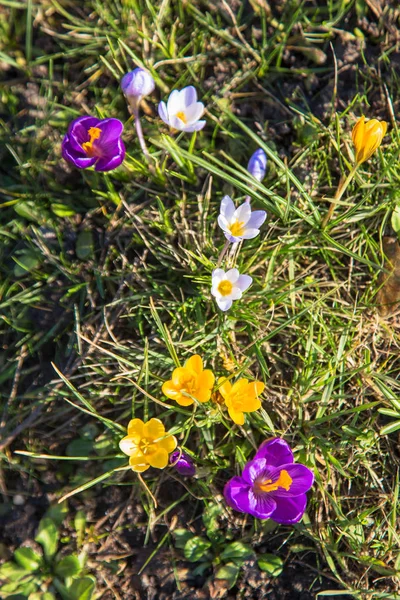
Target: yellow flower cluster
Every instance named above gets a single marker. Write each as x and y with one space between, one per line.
148 445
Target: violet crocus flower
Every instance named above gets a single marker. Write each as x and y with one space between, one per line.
258 164
137 83
271 486
183 463
94 142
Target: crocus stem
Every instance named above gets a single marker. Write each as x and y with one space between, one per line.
342 187
247 199
139 130
223 252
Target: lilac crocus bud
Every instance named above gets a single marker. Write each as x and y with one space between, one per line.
258 164
183 463
137 83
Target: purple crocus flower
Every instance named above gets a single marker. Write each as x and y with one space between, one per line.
271 486
94 142
137 83
258 164
183 463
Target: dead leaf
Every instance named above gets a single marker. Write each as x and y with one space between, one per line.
388 296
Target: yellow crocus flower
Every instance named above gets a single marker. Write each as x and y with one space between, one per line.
367 137
147 445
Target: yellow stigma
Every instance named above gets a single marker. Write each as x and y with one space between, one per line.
236 228
94 134
181 115
225 288
284 481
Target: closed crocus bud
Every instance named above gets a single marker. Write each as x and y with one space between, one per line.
258 164
137 83
183 463
367 137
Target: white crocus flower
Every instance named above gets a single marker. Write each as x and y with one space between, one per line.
182 111
239 223
228 286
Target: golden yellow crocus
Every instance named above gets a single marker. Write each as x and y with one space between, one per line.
241 397
189 382
147 445
367 137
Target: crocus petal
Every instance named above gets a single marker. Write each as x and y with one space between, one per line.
276 452
227 208
289 510
153 429
206 379
256 468
109 163
244 282
168 443
163 112
258 164
135 427
257 218
158 459
250 234
236 416
235 294
224 387
195 127
194 112
236 494
220 273
302 480
232 275
224 305
243 213
174 103
223 223
78 130
188 95
194 364
128 445
138 464
261 506
111 130
81 162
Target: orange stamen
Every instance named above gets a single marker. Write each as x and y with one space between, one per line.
284 481
94 134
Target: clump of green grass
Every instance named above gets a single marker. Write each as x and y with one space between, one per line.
108 277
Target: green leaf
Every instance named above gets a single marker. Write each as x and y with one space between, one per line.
31 211
68 567
47 537
228 572
195 548
82 589
80 525
79 447
391 428
25 263
181 537
396 219
57 513
85 245
12 572
237 552
28 559
271 564
62 210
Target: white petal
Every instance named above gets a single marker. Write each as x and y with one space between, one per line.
224 304
175 103
194 112
195 127
244 282
127 446
231 238
227 208
176 123
249 234
243 212
257 219
232 275
223 223
236 293
163 112
218 274
188 95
